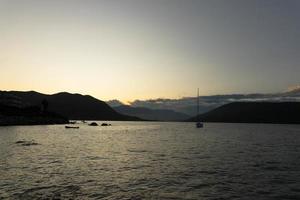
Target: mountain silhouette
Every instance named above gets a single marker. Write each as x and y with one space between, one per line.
188 105
254 112
151 114
73 106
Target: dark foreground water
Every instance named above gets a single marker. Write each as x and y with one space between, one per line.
136 160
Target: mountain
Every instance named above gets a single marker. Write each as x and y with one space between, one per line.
73 106
114 103
254 112
188 105
151 114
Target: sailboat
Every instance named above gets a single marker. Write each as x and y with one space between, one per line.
198 124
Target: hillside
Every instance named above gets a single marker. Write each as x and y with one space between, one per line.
10 115
151 114
73 106
254 112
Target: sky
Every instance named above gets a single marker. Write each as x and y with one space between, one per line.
141 49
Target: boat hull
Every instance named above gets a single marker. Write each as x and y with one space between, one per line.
199 125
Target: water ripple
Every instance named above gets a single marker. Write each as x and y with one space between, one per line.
151 160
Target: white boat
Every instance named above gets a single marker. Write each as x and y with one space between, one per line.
198 124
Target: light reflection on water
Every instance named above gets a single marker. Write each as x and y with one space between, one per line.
151 160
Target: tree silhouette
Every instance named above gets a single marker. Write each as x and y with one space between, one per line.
45 105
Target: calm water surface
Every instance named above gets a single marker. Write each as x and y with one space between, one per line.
137 160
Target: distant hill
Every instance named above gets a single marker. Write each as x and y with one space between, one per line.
114 103
254 112
188 105
151 114
73 106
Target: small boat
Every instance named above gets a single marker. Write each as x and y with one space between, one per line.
198 124
75 127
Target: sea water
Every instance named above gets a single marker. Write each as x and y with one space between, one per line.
150 160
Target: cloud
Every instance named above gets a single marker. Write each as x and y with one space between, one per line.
294 88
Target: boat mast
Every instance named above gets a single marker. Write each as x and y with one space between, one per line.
198 106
